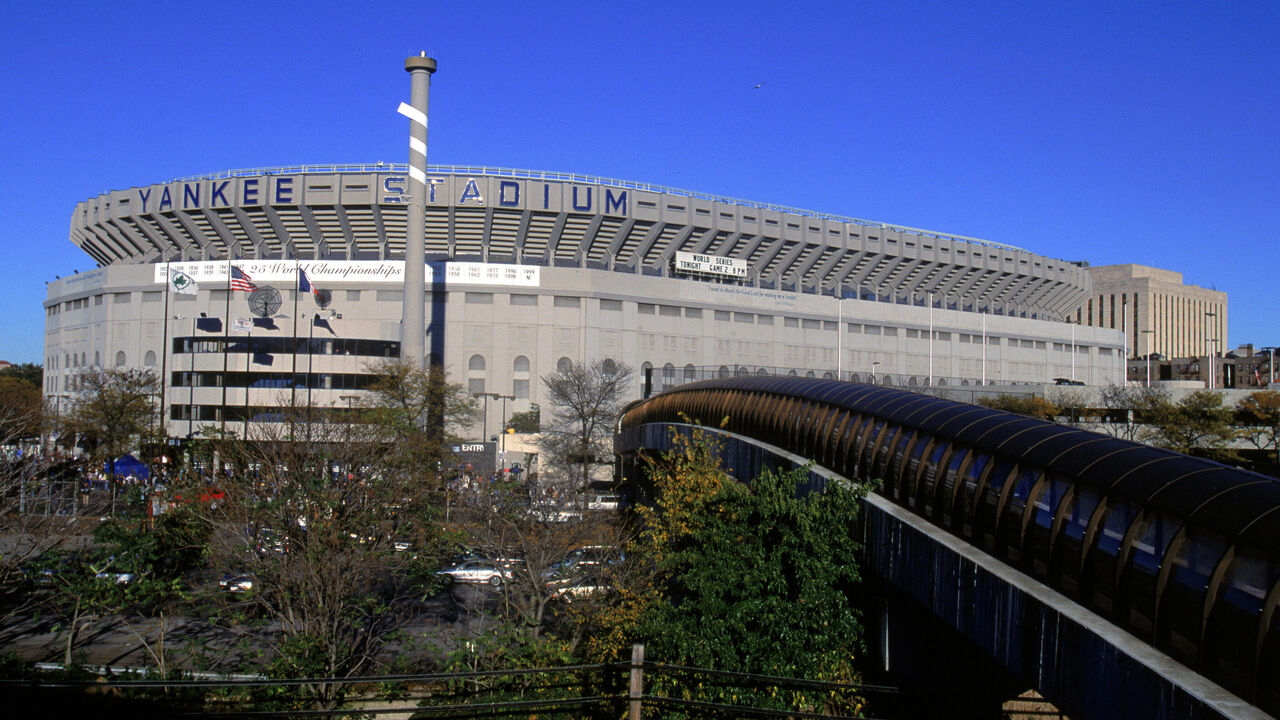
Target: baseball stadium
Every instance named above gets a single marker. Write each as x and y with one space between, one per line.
525 271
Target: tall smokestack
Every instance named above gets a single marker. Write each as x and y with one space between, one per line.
413 324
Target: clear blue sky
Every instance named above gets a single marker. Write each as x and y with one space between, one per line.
1100 131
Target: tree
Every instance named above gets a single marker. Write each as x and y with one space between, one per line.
29 373
21 411
339 534
586 402
415 413
112 413
1199 424
529 421
1260 413
1029 405
752 577
1125 405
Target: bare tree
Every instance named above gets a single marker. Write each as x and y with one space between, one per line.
1126 406
586 401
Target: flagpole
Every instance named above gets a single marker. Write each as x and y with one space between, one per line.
164 352
293 385
226 341
248 357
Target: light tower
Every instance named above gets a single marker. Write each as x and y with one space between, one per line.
413 323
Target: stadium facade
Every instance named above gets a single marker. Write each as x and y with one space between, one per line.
527 270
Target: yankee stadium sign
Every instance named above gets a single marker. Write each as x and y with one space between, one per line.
392 188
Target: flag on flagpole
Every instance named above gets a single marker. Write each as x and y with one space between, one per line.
240 280
182 284
304 283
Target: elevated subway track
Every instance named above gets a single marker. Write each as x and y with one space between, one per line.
1178 552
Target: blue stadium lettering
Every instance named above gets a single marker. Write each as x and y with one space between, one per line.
284 190
611 203
431 186
190 195
215 191
546 197
251 191
576 206
144 197
470 192
514 187
394 187
165 200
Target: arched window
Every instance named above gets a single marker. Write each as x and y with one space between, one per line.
668 376
475 374
690 373
761 371
828 375
520 377
84 359
120 358
97 358
810 374
723 372
911 381
855 378
792 373
741 372
564 365
150 359
886 380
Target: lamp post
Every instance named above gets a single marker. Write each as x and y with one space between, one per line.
874 365
839 333
1209 344
930 338
1149 333
1072 323
502 452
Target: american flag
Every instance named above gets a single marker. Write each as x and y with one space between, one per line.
241 281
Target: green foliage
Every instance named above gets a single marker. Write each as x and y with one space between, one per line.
28 373
752 578
1029 405
1259 415
529 421
1198 424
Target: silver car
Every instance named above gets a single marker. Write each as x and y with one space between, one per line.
476 571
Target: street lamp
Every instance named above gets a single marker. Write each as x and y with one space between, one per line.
1149 339
874 365
1209 343
485 422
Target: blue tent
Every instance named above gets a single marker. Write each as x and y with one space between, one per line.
130 465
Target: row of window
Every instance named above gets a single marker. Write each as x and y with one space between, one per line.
270 380
287 345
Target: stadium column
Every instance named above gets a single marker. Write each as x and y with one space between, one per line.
413 327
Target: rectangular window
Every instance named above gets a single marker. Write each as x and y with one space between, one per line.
943 336
744 317
693 312
124 298
791 322
478 298
525 300
390 296
891 331
646 308
611 305
520 388
872 329
810 324
353 296
668 311
764 319
565 301
151 296
913 333
723 315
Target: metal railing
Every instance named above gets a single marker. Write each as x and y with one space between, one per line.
484 170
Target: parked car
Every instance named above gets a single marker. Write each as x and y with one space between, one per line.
238 583
476 571
577 588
